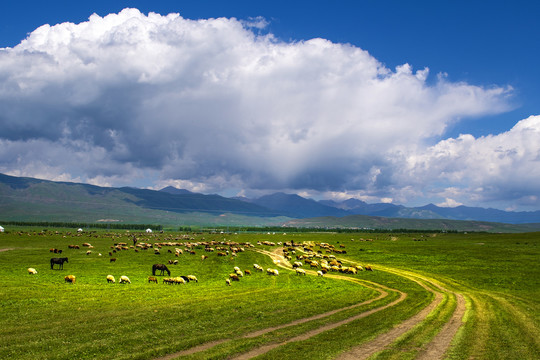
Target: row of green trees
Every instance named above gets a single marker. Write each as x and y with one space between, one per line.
117 226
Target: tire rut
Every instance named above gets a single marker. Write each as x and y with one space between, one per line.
383 292
437 347
266 348
382 341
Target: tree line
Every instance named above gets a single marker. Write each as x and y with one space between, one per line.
116 226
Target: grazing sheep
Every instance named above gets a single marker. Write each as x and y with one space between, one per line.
192 278
152 279
320 273
112 259
272 272
236 268
228 282
234 277
124 279
203 257
239 273
300 271
32 271
88 252
179 280
257 267
247 272
110 279
297 264
368 268
175 262
70 279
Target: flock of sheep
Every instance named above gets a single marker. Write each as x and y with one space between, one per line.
237 274
322 259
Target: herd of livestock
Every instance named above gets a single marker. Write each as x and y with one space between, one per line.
318 256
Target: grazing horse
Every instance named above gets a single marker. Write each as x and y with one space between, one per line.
59 261
161 268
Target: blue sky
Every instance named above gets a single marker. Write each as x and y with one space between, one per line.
489 49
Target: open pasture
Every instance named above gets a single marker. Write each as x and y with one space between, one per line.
486 283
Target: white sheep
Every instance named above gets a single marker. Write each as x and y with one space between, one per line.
300 271
179 280
320 273
192 278
272 272
257 267
110 279
124 279
32 271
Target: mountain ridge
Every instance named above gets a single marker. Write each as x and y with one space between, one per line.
30 198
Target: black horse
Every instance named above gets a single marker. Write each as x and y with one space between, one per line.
161 268
59 261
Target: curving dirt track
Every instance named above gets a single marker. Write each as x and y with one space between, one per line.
383 292
382 341
439 345
434 350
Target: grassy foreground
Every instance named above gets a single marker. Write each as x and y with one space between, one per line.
45 318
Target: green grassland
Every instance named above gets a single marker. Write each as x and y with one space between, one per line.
45 318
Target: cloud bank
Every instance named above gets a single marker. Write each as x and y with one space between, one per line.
213 105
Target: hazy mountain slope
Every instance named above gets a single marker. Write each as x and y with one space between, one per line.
175 191
297 206
430 211
26 199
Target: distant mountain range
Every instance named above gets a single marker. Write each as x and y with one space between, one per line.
29 199
299 207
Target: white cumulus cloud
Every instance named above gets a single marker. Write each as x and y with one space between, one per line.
214 104
498 167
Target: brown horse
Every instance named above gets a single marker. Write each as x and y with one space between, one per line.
59 261
161 268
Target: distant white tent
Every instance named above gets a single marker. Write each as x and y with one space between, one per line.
1 229
148 230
